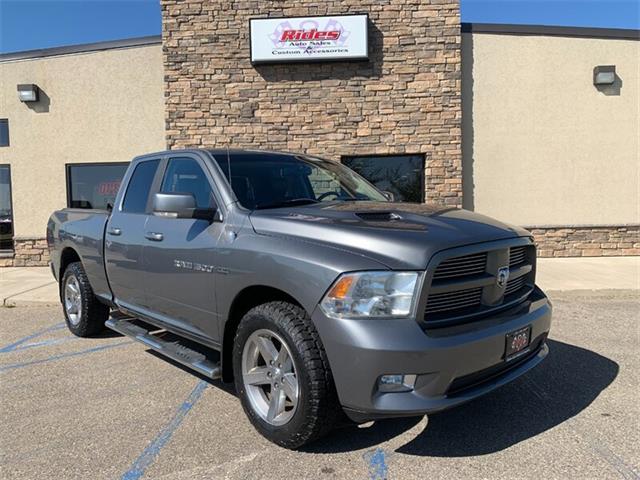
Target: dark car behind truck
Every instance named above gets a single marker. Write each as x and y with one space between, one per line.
299 281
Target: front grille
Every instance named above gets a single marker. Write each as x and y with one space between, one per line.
467 287
515 285
441 302
464 266
517 256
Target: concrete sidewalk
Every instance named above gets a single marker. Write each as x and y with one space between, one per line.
27 286
36 286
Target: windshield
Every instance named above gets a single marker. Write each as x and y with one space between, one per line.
273 180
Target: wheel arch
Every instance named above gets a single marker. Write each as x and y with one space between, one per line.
67 257
244 301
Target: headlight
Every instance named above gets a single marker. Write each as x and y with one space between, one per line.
371 295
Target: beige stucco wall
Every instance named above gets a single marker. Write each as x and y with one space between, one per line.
104 106
541 145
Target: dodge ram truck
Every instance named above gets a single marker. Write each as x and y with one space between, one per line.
321 298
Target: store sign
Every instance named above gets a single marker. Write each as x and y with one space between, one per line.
309 39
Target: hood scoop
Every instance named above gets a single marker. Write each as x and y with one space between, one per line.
378 216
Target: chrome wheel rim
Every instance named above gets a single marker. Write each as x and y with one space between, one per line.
73 300
269 377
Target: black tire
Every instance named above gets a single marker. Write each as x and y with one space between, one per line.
93 313
318 409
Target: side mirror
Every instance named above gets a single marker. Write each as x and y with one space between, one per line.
181 205
174 205
389 196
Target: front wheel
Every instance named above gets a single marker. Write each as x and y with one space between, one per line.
282 375
83 312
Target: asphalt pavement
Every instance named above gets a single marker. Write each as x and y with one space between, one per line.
108 408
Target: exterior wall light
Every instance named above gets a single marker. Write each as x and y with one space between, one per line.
28 92
604 75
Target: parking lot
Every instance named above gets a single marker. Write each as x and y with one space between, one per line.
108 408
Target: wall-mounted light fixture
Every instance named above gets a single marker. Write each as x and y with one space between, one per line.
604 75
28 92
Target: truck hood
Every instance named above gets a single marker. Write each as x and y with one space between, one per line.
398 235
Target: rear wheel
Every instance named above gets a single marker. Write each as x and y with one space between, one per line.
83 312
282 375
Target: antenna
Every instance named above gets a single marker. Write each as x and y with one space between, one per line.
228 164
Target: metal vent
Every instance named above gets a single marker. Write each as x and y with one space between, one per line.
517 256
464 266
442 302
378 216
515 285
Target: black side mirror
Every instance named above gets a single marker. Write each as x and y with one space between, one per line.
389 196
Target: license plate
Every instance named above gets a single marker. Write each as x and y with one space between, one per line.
517 342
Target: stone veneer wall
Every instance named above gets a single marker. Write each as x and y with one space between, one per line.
28 252
587 241
405 99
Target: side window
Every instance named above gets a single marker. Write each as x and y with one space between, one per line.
135 200
184 175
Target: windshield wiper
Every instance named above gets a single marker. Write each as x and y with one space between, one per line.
288 203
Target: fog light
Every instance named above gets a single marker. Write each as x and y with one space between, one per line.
396 383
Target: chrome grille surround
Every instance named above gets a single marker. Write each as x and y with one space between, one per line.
462 284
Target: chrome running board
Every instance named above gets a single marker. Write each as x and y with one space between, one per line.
175 349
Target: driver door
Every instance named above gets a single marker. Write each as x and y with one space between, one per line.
180 254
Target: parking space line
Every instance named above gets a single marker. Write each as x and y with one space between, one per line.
61 356
13 345
377 463
150 453
44 343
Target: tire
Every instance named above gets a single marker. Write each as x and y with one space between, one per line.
83 312
317 409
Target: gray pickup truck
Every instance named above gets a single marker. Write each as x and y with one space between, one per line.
312 291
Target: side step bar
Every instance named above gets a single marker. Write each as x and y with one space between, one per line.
171 349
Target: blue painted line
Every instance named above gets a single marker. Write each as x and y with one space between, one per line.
150 453
62 355
13 345
44 343
378 469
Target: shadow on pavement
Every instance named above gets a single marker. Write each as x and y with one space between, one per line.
566 383
563 385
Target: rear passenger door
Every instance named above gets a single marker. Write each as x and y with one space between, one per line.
124 236
180 254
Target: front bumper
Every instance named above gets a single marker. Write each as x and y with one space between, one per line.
453 364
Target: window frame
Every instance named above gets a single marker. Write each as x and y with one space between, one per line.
165 168
422 156
67 176
153 189
6 122
13 222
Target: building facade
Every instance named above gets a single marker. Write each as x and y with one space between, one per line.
98 105
546 148
502 120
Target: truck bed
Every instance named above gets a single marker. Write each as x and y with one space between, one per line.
83 231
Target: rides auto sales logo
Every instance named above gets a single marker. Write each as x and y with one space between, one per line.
309 37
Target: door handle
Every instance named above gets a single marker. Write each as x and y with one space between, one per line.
154 236
114 231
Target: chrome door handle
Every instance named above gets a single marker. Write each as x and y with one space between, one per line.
114 231
155 236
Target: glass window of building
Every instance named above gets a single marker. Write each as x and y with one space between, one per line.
4 132
6 212
402 175
93 185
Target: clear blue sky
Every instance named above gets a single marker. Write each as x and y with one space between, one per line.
31 24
